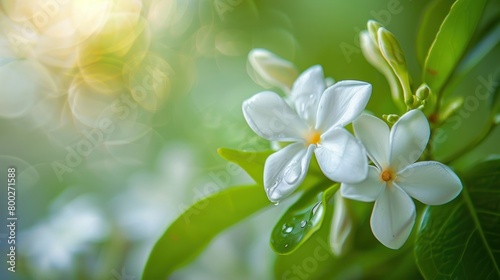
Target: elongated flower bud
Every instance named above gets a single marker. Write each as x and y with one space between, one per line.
394 55
270 70
371 51
341 226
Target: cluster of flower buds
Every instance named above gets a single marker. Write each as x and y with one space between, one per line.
381 48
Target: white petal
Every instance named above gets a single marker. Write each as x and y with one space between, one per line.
307 91
374 134
341 103
366 191
408 139
272 70
271 117
393 217
341 226
285 170
431 182
341 157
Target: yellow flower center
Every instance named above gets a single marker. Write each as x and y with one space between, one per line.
387 175
313 138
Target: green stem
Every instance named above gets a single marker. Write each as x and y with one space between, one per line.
112 256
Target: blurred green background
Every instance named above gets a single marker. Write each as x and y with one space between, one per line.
99 217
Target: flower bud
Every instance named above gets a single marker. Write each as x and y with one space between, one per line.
270 70
423 92
392 118
371 51
394 55
410 101
341 226
373 28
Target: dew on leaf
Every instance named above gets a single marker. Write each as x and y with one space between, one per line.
287 229
303 224
315 208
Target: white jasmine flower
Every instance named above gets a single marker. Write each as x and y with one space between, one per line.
316 125
73 231
395 176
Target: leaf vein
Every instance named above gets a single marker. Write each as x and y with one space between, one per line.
472 210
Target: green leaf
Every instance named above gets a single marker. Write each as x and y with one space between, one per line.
433 16
495 111
312 260
485 46
461 240
252 162
451 41
196 227
300 221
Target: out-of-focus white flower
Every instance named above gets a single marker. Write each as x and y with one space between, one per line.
52 246
316 125
396 177
271 70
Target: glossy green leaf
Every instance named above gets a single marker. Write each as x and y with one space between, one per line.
300 221
485 46
252 162
312 260
451 42
433 16
196 227
461 240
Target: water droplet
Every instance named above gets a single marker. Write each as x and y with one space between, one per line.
292 173
303 224
275 185
315 208
287 229
276 203
286 245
